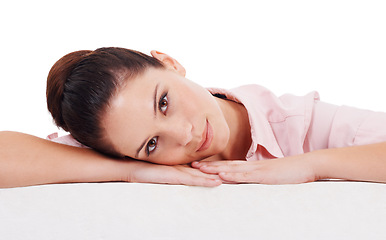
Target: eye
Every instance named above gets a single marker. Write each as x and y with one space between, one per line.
163 103
151 145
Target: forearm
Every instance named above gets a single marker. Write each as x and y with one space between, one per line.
360 163
27 160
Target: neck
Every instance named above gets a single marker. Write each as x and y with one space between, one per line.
240 131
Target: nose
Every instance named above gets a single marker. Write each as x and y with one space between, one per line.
180 132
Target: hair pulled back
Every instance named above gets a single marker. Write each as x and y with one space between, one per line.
81 84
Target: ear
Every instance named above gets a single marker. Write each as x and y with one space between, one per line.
169 62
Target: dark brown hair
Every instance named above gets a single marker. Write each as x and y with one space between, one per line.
81 84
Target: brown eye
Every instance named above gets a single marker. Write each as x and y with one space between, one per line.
151 145
163 104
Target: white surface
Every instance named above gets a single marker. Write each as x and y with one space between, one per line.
320 210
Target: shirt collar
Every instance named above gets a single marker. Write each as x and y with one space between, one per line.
261 131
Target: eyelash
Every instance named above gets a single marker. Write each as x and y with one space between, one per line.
153 142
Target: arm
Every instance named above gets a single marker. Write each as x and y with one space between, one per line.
27 160
359 163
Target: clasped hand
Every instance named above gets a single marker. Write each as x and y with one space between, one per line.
289 170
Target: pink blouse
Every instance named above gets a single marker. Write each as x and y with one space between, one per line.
290 125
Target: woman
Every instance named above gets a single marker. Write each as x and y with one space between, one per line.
127 104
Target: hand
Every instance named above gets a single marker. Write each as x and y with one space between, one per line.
144 172
296 169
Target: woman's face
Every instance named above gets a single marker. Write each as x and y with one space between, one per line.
162 117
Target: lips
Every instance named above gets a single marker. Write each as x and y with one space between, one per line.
207 137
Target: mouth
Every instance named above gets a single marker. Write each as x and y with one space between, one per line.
207 137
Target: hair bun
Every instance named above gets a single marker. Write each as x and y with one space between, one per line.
56 80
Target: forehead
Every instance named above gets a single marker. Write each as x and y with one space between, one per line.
130 112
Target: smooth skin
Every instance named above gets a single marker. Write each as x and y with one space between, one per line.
162 117
27 160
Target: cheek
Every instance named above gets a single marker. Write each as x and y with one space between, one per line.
194 97
187 103
171 155
172 159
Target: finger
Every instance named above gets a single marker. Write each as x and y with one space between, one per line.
192 176
197 172
240 177
226 167
211 176
187 179
228 182
198 164
200 181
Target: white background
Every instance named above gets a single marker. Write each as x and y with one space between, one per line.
336 47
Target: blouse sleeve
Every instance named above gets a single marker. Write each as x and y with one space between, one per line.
342 126
352 126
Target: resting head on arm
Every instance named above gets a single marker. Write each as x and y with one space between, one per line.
79 89
128 104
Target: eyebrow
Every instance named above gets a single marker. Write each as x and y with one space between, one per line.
155 114
155 100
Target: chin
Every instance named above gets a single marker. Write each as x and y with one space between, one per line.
222 144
